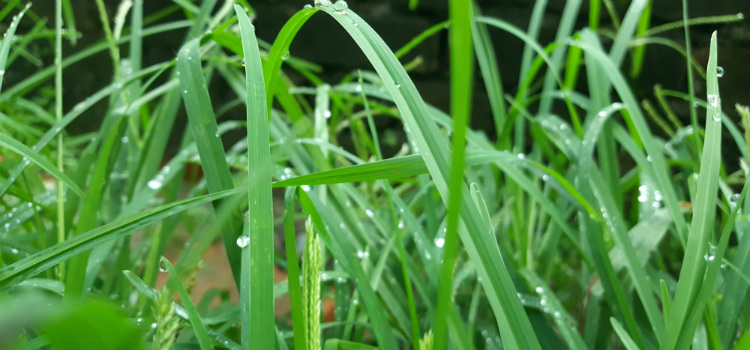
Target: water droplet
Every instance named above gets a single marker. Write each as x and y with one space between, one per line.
154 184
184 91
439 242
719 72
717 117
539 290
124 139
733 199
305 188
713 100
358 88
649 159
341 7
308 6
369 213
2 72
190 58
28 5
327 114
400 224
355 24
545 177
217 134
362 254
163 266
286 55
643 195
243 241
521 156
242 61
397 83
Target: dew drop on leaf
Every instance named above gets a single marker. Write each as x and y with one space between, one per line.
243 241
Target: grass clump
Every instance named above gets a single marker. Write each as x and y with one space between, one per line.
582 220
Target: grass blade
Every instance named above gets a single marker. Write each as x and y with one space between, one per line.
624 336
195 319
91 205
483 250
295 291
704 204
205 132
9 37
339 245
461 73
259 333
31 156
36 263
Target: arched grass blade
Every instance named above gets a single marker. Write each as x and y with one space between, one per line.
515 327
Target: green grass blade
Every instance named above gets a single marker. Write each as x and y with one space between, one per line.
8 38
637 120
625 33
26 85
618 230
691 88
624 336
260 333
535 23
488 66
295 291
461 73
38 262
565 323
708 285
34 157
195 319
483 250
420 38
58 116
280 48
91 207
567 21
640 51
205 132
704 206
339 245
152 294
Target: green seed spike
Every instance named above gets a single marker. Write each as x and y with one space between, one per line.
311 270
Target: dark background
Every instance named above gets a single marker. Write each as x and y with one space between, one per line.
321 41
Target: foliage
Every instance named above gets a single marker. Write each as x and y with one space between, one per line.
573 223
